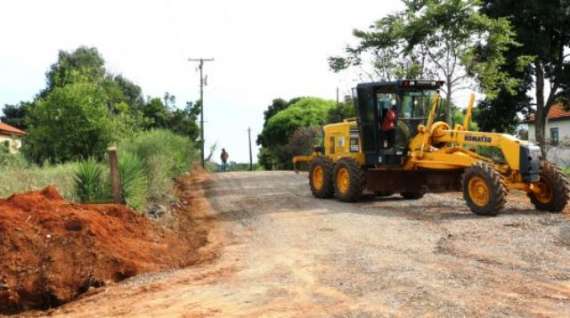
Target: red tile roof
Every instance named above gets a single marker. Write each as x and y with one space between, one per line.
556 112
9 130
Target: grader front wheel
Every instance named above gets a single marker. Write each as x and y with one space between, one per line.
552 194
349 180
320 178
483 190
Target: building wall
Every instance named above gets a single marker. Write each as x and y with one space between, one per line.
14 143
563 130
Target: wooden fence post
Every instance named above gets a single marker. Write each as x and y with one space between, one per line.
115 177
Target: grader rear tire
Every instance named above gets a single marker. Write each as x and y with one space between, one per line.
349 180
555 187
321 178
483 189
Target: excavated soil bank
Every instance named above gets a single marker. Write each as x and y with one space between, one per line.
52 250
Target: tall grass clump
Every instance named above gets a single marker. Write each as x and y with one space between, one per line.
90 182
9 160
164 155
21 176
134 181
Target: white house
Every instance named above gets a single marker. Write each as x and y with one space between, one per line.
557 127
11 137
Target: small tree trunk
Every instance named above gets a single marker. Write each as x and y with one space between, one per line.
540 116
448 114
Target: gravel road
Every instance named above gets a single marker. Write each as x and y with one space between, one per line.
287 254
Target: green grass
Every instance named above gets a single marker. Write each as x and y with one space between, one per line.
22 178
567 171
148 164
133 180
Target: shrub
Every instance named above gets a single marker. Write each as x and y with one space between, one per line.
90 182
277 131
164 155
134 182
9 160
71 123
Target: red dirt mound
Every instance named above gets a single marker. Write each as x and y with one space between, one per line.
52 250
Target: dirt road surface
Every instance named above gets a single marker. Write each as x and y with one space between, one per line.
287 254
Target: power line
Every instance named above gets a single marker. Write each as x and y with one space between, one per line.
201 67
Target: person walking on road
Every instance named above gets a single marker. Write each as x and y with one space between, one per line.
224 156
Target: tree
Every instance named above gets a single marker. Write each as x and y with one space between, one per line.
71 123
132 93
157 112
275 107
183 121
440 39
83 108
340 112
501 114
15 115
302 141
84 64
382 50
305 112
542 30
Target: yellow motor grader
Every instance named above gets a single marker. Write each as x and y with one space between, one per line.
421 154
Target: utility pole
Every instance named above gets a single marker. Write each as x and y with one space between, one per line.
250 155
202 83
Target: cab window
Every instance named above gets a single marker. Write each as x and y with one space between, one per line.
385 102
416 104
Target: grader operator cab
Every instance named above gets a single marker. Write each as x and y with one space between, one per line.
397 145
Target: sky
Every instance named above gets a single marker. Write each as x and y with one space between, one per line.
262 50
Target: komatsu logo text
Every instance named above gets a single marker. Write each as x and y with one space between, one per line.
473 138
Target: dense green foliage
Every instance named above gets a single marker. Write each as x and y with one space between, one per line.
275 137
304 113
341 112
510 49
436 39
71 123
14 115
163 154
84 108
542 30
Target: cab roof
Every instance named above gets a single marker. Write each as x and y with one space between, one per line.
403 84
